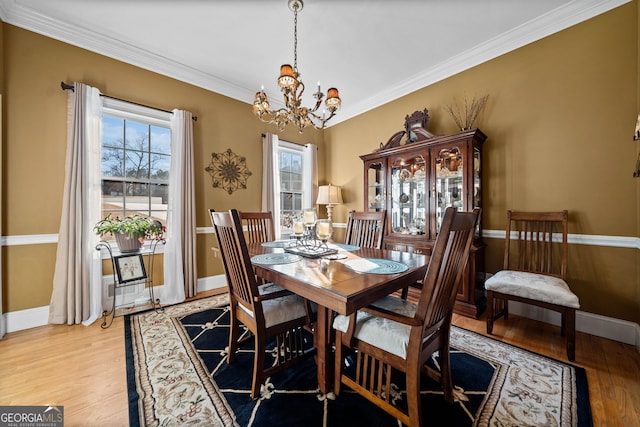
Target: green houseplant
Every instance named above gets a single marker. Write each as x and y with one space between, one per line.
130 231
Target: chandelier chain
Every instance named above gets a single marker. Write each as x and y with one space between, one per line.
295 37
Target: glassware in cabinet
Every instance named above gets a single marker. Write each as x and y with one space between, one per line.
449 180
408 198
375 187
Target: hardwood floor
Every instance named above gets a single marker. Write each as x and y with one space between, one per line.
83 369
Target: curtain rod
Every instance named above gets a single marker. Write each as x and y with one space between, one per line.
290 142
66 86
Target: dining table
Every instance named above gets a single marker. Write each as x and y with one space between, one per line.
341 282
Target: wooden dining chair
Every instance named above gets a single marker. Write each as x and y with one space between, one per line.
258 226
365 229
535 271
268 310
396 334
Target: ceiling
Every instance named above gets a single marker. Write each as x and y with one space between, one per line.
373 51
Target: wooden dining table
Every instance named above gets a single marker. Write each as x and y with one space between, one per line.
336 287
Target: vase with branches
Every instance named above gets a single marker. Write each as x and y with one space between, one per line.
464 119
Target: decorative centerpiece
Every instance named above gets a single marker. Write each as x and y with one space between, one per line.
311 235
130 232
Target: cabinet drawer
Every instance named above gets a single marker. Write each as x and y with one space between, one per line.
395 247
419 250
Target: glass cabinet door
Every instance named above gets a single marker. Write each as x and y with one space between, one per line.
476 178
449 180
408 196
376 187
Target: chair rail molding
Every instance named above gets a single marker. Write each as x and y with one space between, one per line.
576 239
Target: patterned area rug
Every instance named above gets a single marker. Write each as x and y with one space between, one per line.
177 374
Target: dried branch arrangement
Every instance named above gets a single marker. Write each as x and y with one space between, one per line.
471 111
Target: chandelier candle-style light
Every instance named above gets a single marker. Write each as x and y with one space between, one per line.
293 88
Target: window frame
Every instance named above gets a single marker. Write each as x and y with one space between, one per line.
144 115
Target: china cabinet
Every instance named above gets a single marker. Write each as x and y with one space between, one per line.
415 181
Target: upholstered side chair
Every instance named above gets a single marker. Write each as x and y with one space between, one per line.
535 271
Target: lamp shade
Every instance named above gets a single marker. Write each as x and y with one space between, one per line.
329 195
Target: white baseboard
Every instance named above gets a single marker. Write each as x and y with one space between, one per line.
39 316
590 323
594 324
26 319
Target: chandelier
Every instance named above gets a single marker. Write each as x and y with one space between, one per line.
292 89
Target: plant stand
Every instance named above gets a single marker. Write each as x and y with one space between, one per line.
129 270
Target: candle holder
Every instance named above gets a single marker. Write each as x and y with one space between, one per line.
324 230
307 241
311 235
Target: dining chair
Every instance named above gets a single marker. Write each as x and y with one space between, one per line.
259 227
394 334
268 311
535 271
365 229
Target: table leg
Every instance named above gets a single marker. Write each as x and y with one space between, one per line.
322 341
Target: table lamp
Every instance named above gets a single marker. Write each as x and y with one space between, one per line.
329 195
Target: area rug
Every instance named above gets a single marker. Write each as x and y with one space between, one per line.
177 374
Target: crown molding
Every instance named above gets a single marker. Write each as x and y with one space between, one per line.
29 19
563 17
552 22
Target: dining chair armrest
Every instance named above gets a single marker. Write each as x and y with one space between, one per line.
391 315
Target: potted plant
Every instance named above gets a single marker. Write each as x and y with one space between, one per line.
130 231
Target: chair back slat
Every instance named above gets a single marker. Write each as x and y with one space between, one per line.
446 265
537 242
235 258
365 229
259 226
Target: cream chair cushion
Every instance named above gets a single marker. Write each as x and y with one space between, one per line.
534 286
279 310
386 334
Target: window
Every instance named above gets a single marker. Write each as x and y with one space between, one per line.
290 181
136 157
295 175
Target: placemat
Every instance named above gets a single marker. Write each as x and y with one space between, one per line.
376 266
275 258
278 243
345 247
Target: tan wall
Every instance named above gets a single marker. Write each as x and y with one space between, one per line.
559 122
35 148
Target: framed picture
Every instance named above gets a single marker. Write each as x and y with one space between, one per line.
130 268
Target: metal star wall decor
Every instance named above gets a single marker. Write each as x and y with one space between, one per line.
228 171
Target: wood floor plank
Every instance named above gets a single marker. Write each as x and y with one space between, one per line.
83 369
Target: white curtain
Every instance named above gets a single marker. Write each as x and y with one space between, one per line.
77 284
270 181
271 177
310 160
180 273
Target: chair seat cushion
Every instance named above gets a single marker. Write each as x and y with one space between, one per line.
281 309
538 287
383 333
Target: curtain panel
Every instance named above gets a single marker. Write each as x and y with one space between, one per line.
180 272
77 290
